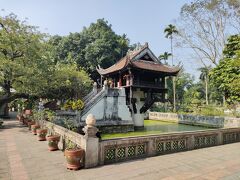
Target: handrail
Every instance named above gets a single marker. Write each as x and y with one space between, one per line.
95 99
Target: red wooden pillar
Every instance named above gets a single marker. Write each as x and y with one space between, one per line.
120 81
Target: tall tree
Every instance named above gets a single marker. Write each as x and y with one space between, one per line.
183 82
204 26
95 45
170 31
27 65
226 76
20 48
204 76
164 57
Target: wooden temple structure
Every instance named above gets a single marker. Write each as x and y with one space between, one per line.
142 76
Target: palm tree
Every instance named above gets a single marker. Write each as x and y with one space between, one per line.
170 30
204 76
164 56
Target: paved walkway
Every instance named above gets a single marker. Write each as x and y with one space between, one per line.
23 157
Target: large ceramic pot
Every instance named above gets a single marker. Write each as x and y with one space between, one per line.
53 142
42 134
74 157
34 128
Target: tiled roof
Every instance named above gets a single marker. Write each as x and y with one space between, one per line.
153 66
116 67
140 64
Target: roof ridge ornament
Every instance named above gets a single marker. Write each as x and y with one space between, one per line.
137 48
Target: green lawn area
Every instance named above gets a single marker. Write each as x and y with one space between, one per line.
155 127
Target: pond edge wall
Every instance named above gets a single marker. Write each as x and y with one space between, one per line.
197 120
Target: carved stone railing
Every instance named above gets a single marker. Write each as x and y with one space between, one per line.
91 95
122 149
88 96
88 142
64 134
200 120
93 101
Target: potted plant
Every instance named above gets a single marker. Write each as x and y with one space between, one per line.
52 139
30 123
73 153
29 106
34 128
42 134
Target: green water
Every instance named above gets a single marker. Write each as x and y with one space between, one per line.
155 127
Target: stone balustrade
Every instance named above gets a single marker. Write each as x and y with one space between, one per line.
89 142
199 120
173 117
122 149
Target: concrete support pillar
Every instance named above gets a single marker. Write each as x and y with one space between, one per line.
138 118
90 142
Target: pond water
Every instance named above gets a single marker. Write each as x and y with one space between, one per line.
155 127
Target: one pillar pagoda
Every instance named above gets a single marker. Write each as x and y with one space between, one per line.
143 77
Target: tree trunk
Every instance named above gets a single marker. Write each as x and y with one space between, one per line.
173 79
171 49
174 93
10 97
166 95
206 90
224 100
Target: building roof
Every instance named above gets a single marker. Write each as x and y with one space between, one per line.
140 58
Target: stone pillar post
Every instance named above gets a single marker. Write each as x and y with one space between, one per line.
90 142
220 138
95 88
190 142
105 85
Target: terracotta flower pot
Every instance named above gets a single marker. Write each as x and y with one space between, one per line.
42 134
34 128
30 123
53 142
73 157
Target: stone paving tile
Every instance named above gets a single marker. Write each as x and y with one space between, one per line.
22 156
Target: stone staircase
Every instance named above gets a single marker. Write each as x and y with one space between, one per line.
91 100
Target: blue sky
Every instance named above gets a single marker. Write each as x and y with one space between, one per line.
142 20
